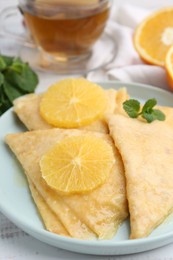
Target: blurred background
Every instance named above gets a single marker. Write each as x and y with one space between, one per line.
143 3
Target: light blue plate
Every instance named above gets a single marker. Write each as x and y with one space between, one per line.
17 204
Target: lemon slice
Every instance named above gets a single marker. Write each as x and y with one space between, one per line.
77 164
73 103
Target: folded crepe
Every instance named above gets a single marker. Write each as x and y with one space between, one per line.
27 109
147 154
97 213
52 223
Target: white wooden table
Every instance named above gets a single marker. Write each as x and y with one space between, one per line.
15 244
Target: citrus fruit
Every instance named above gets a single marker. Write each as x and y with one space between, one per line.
154 36
169 66
73 103
77 164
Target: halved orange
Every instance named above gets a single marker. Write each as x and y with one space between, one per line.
73 102
169 66
154 36
77 164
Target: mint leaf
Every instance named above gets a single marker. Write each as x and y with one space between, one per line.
149 104
16 79
11 91
17 65
1 78
2 64
4 102
8 60
158 115
148 116
154 115
22 77
132 107
151 114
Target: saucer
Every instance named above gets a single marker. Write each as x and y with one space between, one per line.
102 53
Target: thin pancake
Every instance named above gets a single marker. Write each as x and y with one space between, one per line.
28 148
147 153
106 206
52 223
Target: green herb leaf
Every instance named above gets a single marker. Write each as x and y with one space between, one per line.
8 60
149 104
1 78
17 65
158 115
2 64
22 77
149 117
4 101
16 79
11 91
132 107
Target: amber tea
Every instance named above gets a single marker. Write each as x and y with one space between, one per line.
66 32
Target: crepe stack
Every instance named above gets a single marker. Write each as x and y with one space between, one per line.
63 214
140 181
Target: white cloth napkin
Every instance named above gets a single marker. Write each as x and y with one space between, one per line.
127 65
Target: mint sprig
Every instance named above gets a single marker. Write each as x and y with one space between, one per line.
132 108
16 79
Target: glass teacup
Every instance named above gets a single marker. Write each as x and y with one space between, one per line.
64 31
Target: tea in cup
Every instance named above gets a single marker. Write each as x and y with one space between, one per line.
64 31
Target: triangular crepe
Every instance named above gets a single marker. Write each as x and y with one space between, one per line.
27 109
97 212
52 223
147 153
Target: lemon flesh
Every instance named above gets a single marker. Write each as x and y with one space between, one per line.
77 164
73 103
